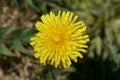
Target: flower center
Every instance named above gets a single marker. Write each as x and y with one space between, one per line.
56 38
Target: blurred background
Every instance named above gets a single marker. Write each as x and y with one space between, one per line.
17 20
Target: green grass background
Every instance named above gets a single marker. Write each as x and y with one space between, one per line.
17 20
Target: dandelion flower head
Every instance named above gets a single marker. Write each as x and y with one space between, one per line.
60 39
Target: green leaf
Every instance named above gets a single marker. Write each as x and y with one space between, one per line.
41 68
71 69
91 49
16 34
63 77
4 31
105 55
98 44
31 4
55 71
95 45
17 44
118 38
23 34
49 74
15 2
5 51
43 6
109 35
116 59
26 34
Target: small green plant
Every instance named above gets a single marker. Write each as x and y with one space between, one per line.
17 39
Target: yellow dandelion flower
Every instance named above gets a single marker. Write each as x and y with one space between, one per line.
60 39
